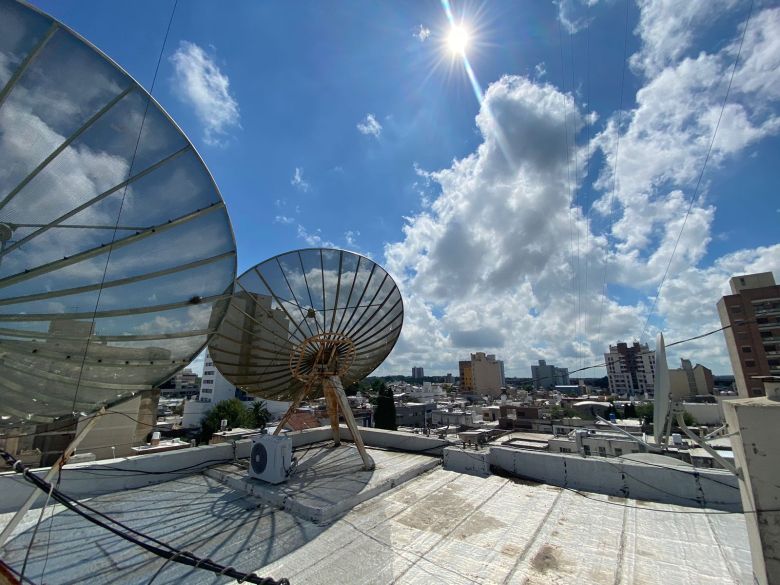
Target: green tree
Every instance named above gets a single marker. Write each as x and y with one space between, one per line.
360 386
384 414
644 412
233 410
260 415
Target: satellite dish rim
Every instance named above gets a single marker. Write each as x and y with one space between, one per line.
135 86
244 385
153 102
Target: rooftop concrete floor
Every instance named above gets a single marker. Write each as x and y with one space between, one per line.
328 481
440 527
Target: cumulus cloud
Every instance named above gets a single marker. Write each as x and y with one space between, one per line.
283 219
666 138
668 29
350 236
314 239
422 33
573 14
370 126
298 181
493 250
200 83
504 260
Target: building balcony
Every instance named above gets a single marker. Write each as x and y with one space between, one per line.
766 312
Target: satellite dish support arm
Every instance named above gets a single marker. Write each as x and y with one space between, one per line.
53 470
675 408
332 403
333 385
291 410
696 439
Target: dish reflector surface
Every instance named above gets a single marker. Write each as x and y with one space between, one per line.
117 257
306 315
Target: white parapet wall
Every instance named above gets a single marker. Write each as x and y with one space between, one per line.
411 443
83 480
708 413
465 461
683 486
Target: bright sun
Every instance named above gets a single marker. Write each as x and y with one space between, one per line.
458 40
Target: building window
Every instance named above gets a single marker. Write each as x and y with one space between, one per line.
618 451
206 390
208 381
602 451
747 349
208 373
766 334
586 449
565 450
750 363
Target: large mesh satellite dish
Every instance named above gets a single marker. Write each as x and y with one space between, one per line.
304 323
116 253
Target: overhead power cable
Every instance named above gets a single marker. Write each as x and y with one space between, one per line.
614 171
149 543
695 196
571 179
587 206
601 365
122 200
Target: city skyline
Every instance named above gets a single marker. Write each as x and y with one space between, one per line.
505 191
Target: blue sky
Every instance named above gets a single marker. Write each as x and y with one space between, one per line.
353 124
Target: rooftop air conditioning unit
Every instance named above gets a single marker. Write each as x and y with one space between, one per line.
271 458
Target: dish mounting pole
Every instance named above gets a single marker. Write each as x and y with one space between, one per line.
332 386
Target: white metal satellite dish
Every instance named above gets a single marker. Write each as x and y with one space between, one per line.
662 390
664 412
306 323
117 259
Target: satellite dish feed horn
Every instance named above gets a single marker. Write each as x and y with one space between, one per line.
304 325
